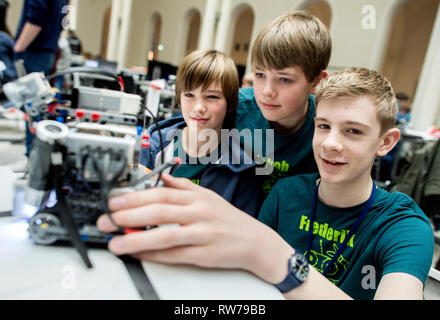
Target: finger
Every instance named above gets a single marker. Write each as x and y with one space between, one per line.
151 215
191 255
104 224
163 237
178 183
153 195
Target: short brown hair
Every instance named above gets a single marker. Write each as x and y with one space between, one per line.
355 82
202 68
293 39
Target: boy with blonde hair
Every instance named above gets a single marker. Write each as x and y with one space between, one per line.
332 235
289 58
362 238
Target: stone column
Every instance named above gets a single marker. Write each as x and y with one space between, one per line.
223 33
113 34
208 25
426 104
74 14
124 33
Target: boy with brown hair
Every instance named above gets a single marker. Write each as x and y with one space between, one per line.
207 86
332 235
288 59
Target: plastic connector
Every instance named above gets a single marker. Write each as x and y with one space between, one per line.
80 114
95 116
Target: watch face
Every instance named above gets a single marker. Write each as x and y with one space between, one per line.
300 267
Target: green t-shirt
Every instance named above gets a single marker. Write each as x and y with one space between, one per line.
293 153
395 236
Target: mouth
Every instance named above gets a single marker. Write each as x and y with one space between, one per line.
199 120
331 164
270 106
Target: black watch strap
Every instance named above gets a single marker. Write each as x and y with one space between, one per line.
291 281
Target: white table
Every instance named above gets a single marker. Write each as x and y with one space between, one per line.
29 271
7 178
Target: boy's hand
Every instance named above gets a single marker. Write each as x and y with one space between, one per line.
212 233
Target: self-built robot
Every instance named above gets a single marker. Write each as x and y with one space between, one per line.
86 149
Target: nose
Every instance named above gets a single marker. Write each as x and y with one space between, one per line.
269 89
332 142
199 107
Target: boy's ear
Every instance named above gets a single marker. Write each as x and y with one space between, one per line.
388 141
323 74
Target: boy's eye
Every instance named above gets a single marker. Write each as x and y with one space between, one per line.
322 126
213 97
188 95
354 131
285 80
259 75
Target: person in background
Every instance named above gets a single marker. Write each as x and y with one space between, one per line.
248 80
74 43
404 113
7 68
37 40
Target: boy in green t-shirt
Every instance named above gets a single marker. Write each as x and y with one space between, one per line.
393 245
288 59
368 242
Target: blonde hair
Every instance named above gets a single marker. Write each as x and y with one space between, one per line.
204 67
293 39
355 82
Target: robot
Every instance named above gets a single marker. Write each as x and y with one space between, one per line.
78 160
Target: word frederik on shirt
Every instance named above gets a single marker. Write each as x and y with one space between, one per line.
324 231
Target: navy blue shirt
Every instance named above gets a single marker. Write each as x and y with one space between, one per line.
48 14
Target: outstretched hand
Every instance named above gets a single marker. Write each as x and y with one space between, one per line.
204 230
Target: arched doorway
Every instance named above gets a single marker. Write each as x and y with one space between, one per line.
105 32
321 10
153 52
240 45
192 38
407 43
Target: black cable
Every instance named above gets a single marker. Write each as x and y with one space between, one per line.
85 70
162 156
156 170
107 185
156 122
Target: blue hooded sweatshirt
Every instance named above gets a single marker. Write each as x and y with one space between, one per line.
235 182
7 57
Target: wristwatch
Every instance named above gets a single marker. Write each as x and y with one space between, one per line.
298 271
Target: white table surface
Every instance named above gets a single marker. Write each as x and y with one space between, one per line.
29 271
7 178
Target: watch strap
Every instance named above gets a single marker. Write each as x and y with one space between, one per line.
290 282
